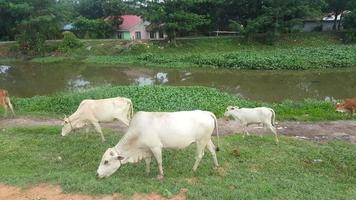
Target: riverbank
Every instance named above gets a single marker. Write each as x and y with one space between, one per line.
170 98
291 52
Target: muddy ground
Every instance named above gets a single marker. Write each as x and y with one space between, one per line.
51 192
325 130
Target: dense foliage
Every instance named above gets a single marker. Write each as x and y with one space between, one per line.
158 98
177 18
350 26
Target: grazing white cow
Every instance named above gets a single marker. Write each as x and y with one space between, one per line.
91 112
149 132
247 116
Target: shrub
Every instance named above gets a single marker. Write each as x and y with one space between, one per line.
31 44
70 41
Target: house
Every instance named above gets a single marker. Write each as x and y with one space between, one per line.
326 23
133 27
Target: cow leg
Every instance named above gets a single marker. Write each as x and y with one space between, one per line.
5 112
157 153
211 148
11 108
245 130
274 132
148 163
200 154
98 129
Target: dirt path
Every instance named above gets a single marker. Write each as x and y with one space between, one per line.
51 192
344 130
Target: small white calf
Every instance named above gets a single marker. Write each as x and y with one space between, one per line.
247 116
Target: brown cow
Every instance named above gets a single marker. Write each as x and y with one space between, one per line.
5 101
349 105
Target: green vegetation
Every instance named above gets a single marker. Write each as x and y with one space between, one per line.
158 98
290 59
251 168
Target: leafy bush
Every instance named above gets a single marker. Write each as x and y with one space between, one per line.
92 28
160 98
349 25
70 41
31 43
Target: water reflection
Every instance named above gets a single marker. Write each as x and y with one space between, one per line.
27 79
159 78
78 84
4 69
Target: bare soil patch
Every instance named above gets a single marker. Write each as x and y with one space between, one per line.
324 130
51 192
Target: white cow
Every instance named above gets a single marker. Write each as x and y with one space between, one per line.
91 112
149 132
247 116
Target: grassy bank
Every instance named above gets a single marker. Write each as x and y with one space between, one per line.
298 58
292 52
170 98
260 169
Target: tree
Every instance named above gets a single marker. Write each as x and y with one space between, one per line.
350 27
276 16
30 23
12 12
174 17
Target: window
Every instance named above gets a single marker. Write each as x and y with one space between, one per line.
152 35
138 35
160 34
120 35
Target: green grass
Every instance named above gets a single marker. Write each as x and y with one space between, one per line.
291 51
50 59
261 170
298 58
171 98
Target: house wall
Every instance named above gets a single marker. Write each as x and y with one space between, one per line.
139 28
309 26
328 25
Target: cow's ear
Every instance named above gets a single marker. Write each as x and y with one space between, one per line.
120 157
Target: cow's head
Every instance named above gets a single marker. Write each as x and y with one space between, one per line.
340 107
67 126
110 162
230 110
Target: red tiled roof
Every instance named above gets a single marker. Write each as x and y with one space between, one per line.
129 21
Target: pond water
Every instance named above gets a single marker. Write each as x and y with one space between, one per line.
29 79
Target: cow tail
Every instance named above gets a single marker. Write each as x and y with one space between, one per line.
273 117
131 110
217 131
